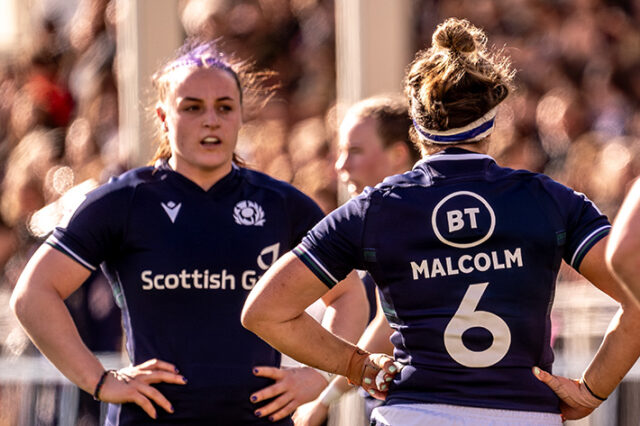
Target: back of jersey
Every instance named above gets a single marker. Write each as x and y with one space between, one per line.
466 254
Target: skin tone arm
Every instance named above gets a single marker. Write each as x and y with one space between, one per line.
374 339
617 353
345 316
274 311
38 302
623 250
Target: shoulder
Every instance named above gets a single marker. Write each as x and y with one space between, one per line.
125 185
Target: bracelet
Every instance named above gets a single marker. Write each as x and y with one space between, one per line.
103 377
591 392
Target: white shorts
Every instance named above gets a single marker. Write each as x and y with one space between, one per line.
453 415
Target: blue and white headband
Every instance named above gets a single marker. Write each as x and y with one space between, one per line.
472 132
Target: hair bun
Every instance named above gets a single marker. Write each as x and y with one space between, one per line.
453 34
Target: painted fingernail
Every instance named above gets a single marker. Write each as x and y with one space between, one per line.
254 398
383 387
257 413
177 371
367 381
388 379
393 368
171 409
371 392
255 371
536 371
271 419
184 379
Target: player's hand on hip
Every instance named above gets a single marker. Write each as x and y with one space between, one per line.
374 372
133 384
292 387
576 401
313 413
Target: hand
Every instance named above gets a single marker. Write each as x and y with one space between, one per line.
292 387
576 401
133 384
373 372
313 413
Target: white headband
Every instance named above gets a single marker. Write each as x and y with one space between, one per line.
474 131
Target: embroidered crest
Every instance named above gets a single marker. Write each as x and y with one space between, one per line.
248 213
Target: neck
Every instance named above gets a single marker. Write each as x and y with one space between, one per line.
204 178
481 147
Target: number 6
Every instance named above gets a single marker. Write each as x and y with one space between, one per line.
467 317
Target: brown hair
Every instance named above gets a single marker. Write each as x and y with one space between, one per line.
254 86
391 114
457 80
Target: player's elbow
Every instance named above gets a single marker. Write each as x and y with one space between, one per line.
19 304
250 316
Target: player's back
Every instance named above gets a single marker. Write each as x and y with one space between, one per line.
466 254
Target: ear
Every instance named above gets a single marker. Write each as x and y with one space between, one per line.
162 115
500 91
399 156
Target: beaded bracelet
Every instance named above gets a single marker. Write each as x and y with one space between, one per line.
103 377
591 392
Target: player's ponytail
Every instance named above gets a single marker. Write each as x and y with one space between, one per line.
454 86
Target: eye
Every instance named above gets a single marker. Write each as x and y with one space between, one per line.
225 108
191 107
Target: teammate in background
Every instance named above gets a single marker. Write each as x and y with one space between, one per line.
466 255
182 242
373 143
623 249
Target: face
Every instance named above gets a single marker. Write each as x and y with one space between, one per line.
202 117
362 157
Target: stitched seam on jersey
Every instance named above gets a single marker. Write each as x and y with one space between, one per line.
578 254
53 242
317 266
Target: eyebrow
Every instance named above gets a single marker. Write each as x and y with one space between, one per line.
192 99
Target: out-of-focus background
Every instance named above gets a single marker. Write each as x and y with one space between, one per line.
75 109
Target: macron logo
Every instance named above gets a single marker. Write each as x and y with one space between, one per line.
172 209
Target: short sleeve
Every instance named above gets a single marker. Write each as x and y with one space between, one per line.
96 229
332 248
305 213
585 224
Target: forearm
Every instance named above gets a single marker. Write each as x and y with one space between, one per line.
48 323
617 354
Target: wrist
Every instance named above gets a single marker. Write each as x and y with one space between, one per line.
355 366
593 398
100 383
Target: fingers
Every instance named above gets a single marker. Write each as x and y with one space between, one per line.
156 364
278 404
274 373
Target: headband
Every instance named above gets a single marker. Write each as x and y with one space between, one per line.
472 132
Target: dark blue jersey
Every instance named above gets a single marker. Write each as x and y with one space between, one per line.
181 261
466 255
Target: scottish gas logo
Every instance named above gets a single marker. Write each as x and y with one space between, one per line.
207 279
463 219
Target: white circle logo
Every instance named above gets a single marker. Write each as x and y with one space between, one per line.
464 218
248 213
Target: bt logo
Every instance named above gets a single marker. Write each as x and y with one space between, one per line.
463 219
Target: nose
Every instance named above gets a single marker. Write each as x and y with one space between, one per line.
210 119
341 161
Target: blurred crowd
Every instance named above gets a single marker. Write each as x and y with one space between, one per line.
575 114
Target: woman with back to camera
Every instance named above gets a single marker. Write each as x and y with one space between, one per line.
466 255
182 242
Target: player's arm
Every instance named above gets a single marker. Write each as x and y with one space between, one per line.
274 310
374 339
623 250
38 302
345 316
618 352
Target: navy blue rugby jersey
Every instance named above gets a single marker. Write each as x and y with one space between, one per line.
466 255
181 261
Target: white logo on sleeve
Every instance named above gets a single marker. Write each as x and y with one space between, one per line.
172 209
248 213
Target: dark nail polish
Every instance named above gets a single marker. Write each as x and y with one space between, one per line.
257 413
184 379
271 419
254 398
255 371
177 371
